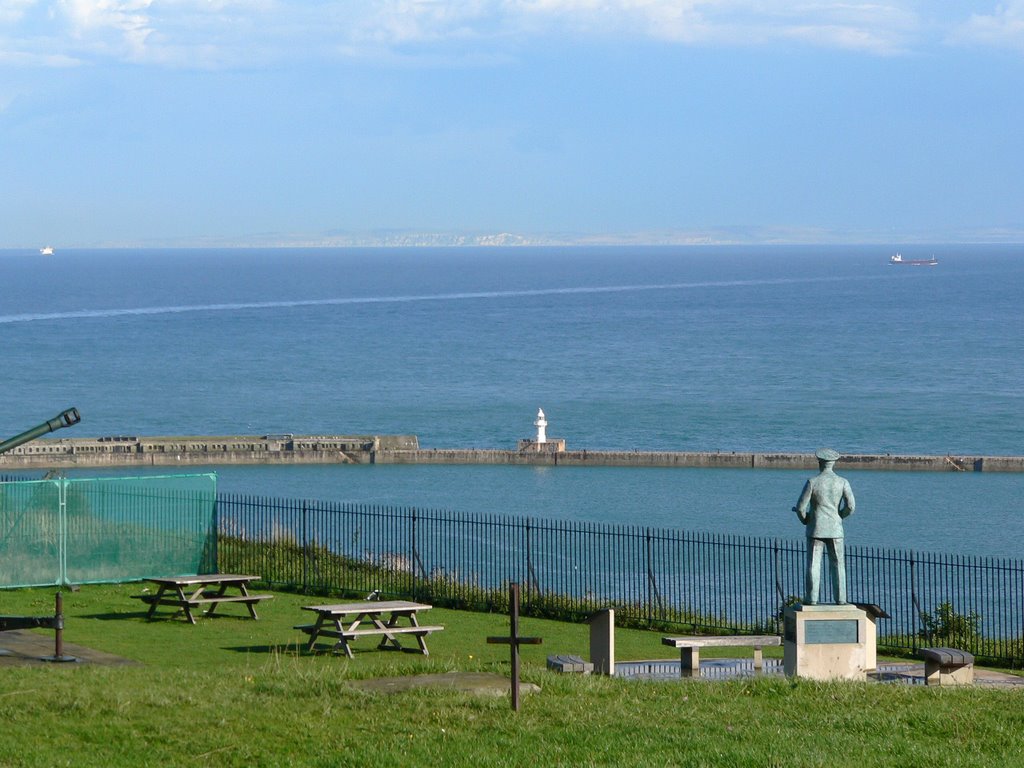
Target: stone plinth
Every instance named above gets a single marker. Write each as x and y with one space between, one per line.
827 642
602 642
551 445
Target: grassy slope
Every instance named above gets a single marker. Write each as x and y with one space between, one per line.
233 692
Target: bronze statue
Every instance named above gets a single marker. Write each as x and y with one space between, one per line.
825 502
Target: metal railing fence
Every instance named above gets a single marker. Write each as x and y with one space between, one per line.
653 577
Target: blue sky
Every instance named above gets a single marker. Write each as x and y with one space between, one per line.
152 122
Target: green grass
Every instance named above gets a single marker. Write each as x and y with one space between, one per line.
233 692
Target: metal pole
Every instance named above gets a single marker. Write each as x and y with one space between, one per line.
58 627
413 555
305 548
513 594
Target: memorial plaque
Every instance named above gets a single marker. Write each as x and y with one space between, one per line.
825 631
827 642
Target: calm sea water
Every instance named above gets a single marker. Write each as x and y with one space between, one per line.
772 348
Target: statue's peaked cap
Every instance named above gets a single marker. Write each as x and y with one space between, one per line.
826 454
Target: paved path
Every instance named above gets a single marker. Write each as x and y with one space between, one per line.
909 672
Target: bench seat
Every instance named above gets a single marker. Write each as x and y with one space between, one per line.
231 599
186 605
947 666
166 599
689 648
329 632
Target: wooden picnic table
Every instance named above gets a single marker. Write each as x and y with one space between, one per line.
188 592
388 618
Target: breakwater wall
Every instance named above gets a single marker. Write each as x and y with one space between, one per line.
184 451
704 459
130 451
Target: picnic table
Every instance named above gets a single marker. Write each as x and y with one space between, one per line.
388 618
188 592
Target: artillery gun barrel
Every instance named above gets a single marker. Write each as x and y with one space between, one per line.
66 418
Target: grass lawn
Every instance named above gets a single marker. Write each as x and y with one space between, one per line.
229 691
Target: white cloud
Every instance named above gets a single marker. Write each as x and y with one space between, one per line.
12 11
210 33
121 24
874 27
1004 27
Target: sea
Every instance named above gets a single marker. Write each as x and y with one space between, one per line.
710 348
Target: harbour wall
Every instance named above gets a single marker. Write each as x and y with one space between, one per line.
704 460
128 451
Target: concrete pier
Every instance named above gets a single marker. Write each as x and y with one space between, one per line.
130 451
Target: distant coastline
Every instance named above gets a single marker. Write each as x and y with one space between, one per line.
182 451
711 236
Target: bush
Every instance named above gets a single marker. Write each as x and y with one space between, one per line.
947 627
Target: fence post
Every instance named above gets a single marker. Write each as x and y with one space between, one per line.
216 533
529 562
62 528
414 555
532 582
305 547
916 605
650 578
778 585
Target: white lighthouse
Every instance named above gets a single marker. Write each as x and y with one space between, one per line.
543 444
541 424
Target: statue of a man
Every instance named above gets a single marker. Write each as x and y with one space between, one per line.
825 502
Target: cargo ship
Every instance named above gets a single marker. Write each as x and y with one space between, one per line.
898 259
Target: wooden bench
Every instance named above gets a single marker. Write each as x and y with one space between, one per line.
689 648
569 664
947 666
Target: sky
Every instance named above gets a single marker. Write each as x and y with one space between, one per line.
196 122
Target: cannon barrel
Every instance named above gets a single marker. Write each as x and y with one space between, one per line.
66 418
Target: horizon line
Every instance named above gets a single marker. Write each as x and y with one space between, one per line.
427 239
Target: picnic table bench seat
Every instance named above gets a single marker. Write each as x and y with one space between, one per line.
419 630
164 599
689 648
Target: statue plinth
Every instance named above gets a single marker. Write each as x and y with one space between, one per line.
827 642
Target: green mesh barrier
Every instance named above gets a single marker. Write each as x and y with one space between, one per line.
30 553
91 530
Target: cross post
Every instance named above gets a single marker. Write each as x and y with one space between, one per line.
514 640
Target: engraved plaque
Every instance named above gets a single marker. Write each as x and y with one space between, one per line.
821 631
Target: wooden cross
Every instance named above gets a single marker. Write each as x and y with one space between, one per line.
514 640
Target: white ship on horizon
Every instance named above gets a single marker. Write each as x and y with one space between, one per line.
46 250
898 259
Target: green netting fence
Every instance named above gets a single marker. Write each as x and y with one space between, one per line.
92 530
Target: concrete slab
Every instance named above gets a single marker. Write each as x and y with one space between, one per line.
907 673
24 647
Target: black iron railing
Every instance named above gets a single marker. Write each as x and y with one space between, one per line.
653 577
